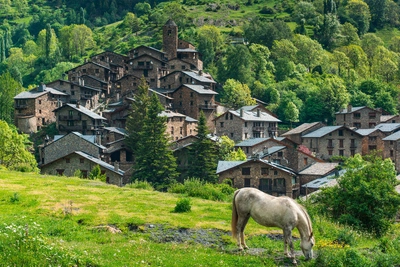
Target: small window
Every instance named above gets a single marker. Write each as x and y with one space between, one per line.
221 124
81 160
246 171
247 182
275 172
97 71
245 124
40 102
264 171
340 132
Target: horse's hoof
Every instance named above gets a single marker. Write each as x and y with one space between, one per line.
246 247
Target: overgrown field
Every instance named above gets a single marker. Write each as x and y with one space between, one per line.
59 221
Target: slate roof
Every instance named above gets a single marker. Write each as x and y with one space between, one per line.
226 165
301 128
353 109
32 94
393 137
186 50
319 168
365 132
201 78
118 130
255 141
89 138
322 131
84 111
100 162
252 116
388 127
385 118
200 89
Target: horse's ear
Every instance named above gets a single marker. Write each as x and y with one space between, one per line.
311 235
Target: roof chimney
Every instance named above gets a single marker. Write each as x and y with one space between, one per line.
258 112
116 166
241 112
77 104
349 108
41 87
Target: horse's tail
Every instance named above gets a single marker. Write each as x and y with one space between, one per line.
234 215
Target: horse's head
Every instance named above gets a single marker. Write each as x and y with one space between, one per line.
306 245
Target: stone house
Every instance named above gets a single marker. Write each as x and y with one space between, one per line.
240 125
267 176
91 69
78 160
390 119
392 149
115 61
75 118
98 83
149 67
62 145
358 117
372 140
179 125
331 141
177 78
34 108
126 86
316 171
303 129
191 99
175 48
87 96
388 128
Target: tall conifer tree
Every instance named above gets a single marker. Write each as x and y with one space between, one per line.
155 162
203 154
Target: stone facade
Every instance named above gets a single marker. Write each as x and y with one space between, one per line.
372 141
177 78
179 125
392 149
358 117
333 141
241 125
305 128
34 109
149 67
91 69
74 118
268 177
61 146
67 165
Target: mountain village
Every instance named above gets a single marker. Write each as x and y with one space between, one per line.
90 110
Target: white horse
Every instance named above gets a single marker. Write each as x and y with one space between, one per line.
267 210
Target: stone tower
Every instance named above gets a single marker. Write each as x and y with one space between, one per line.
170 39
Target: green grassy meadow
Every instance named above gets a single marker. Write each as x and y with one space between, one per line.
59 221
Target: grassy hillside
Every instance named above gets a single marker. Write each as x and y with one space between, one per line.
65 221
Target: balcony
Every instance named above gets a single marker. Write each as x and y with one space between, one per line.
208 106
69 118
144 67
19 106
258 128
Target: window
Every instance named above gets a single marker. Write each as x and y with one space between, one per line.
226 116
341 141
352 152
305 161
264 171
221 124
330 152
191 94
232 135
172 130
357 125
97 71
280 154
245 124
246 182
275 172
246 171
191 103
372 115
40 102
181 130
84 173
172 68
391 153
70 123
81 160
245 135
356 115
371 148
340 132
330 143
70 113
40 111
60 171
341 152
183 67
294 180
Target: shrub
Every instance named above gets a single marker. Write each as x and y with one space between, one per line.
183 205
267 10
141 185
78 173
95 173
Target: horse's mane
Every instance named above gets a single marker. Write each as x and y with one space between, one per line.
308 219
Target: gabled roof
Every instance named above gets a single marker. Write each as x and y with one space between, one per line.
90 138
322 131
170 22
200 89
201 78
354 109
226 165
90 62
255 141
92 159
301 128
32 94
319 168
145 55
117 130
83 110
388 127
108 52
94 78
386 118
149 47
365 132
393 137
251 116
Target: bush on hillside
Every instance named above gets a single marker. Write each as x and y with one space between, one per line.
183 205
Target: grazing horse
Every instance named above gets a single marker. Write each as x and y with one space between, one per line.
267 210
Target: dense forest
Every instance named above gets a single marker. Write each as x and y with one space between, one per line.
304 59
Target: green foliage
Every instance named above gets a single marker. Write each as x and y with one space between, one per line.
141 185
155 162
194 187
14 152
183 205
236 94
364 197
95 174
78 173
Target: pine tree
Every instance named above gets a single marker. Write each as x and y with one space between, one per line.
134 123
155 162
48 41
203 155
